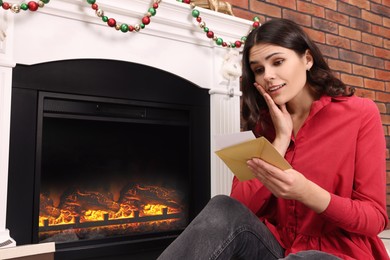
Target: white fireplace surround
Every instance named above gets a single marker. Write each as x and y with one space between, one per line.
173 41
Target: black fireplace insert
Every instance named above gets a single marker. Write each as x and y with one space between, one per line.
109 159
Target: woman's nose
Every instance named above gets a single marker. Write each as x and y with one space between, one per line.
269 74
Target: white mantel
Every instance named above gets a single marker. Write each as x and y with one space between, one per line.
173 41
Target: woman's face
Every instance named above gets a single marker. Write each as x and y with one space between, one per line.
280 71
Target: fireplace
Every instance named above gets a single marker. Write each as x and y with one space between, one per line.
67 31
126 165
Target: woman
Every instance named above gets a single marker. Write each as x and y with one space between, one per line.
331 204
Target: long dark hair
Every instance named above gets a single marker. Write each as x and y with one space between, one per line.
287 34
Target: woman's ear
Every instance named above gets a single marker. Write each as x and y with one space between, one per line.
308 59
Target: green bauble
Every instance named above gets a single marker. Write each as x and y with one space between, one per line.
195 13
91 2
45 1
219 41
1 2
105 18
23 6
124 28
152 11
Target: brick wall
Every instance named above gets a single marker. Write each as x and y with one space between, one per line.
354 36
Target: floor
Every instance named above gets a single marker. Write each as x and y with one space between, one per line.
385 236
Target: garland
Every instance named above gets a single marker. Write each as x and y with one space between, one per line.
15 8
111 22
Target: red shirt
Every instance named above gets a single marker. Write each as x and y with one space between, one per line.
340 147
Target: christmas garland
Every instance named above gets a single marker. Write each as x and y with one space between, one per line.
15 8
111 22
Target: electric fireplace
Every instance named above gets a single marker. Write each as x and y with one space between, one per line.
107 158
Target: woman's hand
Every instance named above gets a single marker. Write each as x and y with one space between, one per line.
281 119
290 184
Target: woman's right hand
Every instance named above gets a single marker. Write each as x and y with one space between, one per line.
281 119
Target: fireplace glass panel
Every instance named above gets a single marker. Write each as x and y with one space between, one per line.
110 170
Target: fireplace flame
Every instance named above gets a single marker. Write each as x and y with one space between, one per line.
81 206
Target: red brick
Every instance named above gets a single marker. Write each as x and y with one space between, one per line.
380 30
245 14
387 84
352 80
338 41
288 4
348 9
386 2
328 51
337 17
380 9
338 65
386 43
385 120
361 92
362 48
350 33
325 25
331 4
386 22
374 18
360 24
363 4
382 74
299 18
381 107
266 9
239 3
387 65
372 39
374 84
315 35
351 56
308 8
383 97
363 71
382 53
373 62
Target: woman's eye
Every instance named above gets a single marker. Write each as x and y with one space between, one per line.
258 70
278 62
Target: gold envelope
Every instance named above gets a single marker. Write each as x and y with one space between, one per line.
236 156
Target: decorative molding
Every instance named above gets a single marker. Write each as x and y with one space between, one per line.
3 31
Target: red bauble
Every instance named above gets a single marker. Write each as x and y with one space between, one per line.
131 28
210 34
256 24
146 20
198 19
238 44
187 1
32 6
224 44
5 6
111 22
155 5
95 6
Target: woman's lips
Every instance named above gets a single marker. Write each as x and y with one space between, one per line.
276 87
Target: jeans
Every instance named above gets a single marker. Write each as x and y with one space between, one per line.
226 229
